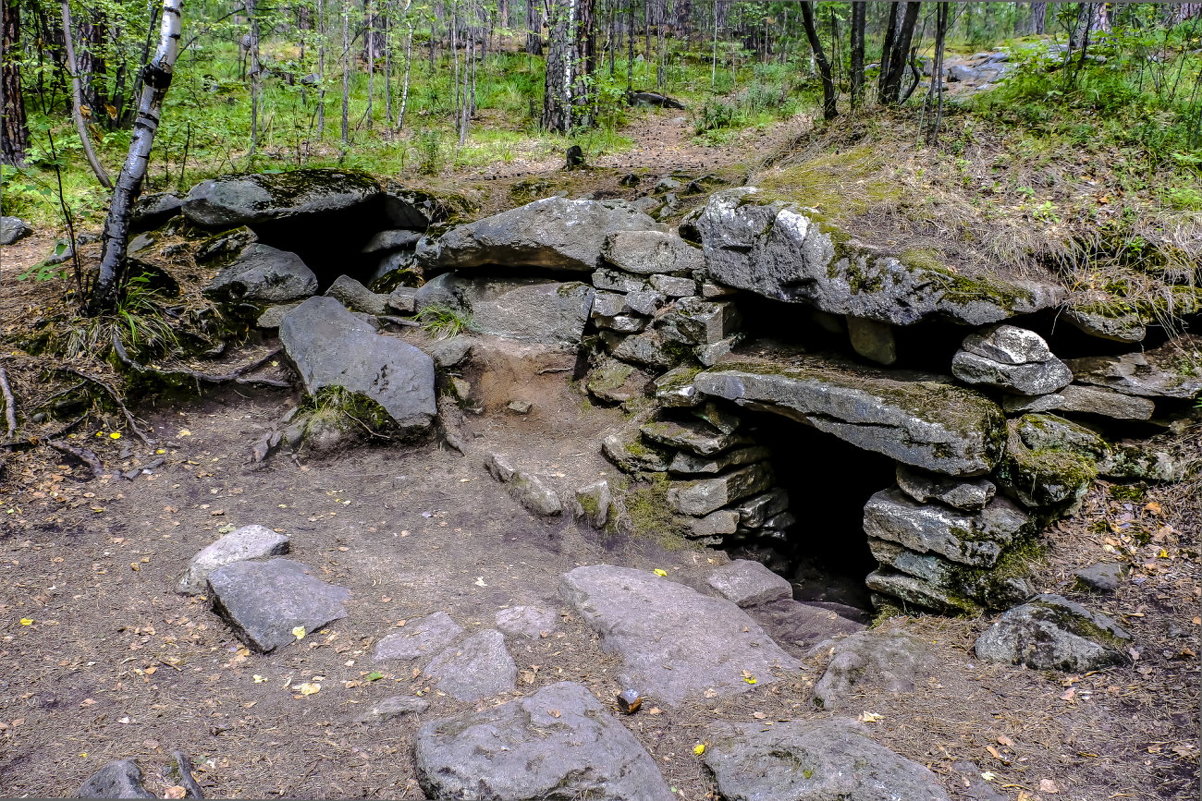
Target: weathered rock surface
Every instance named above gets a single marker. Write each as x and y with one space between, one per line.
1103 577
1122 326
1053 633
154 209
782 252
914 419
675 643
797 627
264 601
591 503
119 779
749 583
357 297
627 450
956 587
1151 374
614 381
263 274
235 200
528 309
272 316
872 339
13 229
812 761
917 592
394 707
1010 358
554 233
1077 399
479 667
559 743
700 497
971 496
418 638
694 436
330 346
692 465
870 662
970 539
532 491
393 239
527 621
248 542
647 252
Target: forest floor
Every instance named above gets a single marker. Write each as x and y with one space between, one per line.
114 664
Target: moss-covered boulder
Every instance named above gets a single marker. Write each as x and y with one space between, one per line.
786 252
958 587
1053 633
234 200
916 419
1050 461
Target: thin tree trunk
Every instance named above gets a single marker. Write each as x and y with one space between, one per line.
858 24
1036 17
81 127
156 80
893 60
933 106
400 120
14 131
346 76
829 101
255 74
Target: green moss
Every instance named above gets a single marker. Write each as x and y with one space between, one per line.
339 405
922 259
651 515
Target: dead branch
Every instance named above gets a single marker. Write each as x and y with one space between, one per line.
112 393
183 766
235 377
10 405
82 454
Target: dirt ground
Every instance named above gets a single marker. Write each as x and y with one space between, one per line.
101 660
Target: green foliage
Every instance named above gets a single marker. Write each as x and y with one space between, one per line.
443 322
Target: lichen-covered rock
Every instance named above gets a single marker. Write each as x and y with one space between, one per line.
1078 399
532 492
357 297
235 200
263 274
695 436
1158 373
912 418
591 503
1012 359
782 251
119 779
652 349
649 252
559 743
553 233
615 381
526 309
1053 633
675 388
914 592
248 542
971 496
330 346
630 452
975 539
1118 324
1006 583
699 498
1047 475
873 662
812 760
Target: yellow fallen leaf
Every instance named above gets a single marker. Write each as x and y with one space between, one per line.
160 451
660 572
299 632
870 717
25 621
699 749
309 688
183 432
259 679
750 679
115 435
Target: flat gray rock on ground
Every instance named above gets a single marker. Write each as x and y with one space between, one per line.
1102 577
749 583
477 668
1054 633
248 542
394 707
13 229
557 745
527 621
120 779
424 636
264 601
812 761
873 662
675 643
798 626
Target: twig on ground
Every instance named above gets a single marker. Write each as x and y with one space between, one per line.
183 766
116 396
10 405
82 454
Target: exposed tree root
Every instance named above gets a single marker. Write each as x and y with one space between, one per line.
237 376
116 396
10 405
82 454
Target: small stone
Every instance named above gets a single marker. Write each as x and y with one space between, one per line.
397 239
675 388
692 321
714 526
645 302
461 388
591 504
674 287
403 299
691 465
627 450
13 229
499 467
617 281
650 349
272 316
694 436
531 622
872 339
248 542
1008 344
394 707
629 701
622 323
533 493
709 355
449 352
699 498
971 495
753 512
711 290
420 637
263 274
607 304
749 583
519 407
615 381
871 663
357 297
120 779
479 667
1104 577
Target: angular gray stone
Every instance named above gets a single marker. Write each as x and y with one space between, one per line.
961 587
649 252
1077 399
591 504
554 233
415 209
749 583
119 779
915 592
650 349
812 760
1035 378
154 209
912 418
449 352
699 498
263 274
527 309
1151 374
1053 633
673 286
403 299
675 388
627 450
611 280
248 542
714 526
394 239
646 302
871 662
798 627
690 465
479 667
779 251
872 339
418 638
235 200
608 304
559 743
330 346
622 323
1008 344
971 496
527 621
13 229
615 381
394 707
674 642
357 297
532 492
694 436
975 539
499 467
264 601
1103 577
1124 326
754 511
692 321
272 316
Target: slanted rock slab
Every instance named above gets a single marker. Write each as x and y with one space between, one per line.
248 542
264 601
527 309
119 779
234 200
869 662
263 274
797 627
559 743
674 642
422 637
648 252
1149 374
479 667
1053 633
394 707
749 583
812 761
976 539
971 496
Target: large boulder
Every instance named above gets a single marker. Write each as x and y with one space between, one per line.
558 744
915 419
554 233
1053 633
935 582
675 643
13 229
784 252
234 200
262 274
119 779
650 252
528 309
812 760
331 347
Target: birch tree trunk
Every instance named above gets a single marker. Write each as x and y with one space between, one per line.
81 127
156 80
14 132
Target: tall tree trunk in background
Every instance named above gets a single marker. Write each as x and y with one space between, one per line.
321 69
255 74
1180 12
156 80
1036 18
933 106
557 93
534 28
1091 18
81 127
893 59
858 23
829 98
346 76
14 132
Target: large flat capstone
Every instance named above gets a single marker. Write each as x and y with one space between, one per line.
331 347
234 200
782 251
265 601
559 743
913 418
675 643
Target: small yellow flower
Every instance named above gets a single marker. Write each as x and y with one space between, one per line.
115 435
